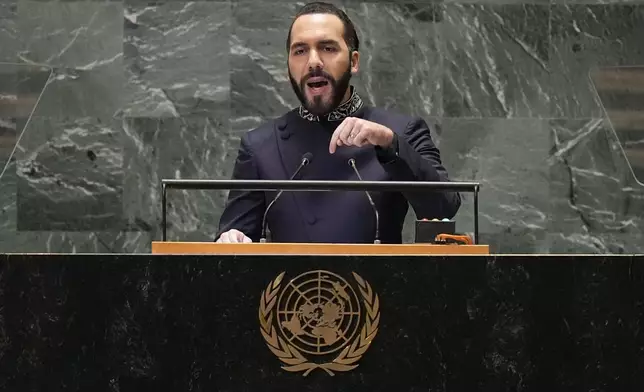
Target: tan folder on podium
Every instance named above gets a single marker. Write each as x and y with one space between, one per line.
270 248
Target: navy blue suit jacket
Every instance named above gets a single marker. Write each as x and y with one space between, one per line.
274 151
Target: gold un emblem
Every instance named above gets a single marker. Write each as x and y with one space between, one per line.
318 314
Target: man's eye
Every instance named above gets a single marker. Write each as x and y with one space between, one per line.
330 49
298 52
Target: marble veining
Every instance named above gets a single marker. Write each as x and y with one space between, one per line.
526 94
9 36
496 60
153 153
598 204
514 207
70 175
176 59
82 35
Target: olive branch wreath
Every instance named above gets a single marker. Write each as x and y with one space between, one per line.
294 361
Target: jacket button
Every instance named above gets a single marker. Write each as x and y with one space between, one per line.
285 135
312 220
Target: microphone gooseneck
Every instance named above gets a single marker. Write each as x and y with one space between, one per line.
352 163
306 159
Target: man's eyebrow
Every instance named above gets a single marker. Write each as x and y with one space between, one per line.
321 42
298 45
328 41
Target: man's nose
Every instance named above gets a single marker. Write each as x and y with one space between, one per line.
314 60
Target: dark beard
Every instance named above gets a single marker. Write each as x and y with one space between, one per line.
317 106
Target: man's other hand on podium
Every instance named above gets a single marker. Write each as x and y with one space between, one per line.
233 236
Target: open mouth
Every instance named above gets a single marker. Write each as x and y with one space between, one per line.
317 84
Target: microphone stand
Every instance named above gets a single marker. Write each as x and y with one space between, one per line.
306 159
352 163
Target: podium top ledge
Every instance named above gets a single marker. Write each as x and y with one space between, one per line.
276 248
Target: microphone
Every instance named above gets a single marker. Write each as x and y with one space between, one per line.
306 159
352 163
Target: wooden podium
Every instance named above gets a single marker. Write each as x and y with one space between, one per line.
161 247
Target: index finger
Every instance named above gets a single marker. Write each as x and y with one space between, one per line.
336 134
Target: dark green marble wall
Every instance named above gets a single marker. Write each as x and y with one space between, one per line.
142 91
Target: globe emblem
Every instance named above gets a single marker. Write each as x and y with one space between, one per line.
318 312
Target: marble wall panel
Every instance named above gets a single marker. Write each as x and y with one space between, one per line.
83 42
21 87
9 37
70 175
597 205
73 93
165 89
599 2
15 241
188 147
176 57
585 37
401 62
508 157
496 60
83 35
69 159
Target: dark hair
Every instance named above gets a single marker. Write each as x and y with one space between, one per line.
318 7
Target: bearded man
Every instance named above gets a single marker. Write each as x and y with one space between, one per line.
333 125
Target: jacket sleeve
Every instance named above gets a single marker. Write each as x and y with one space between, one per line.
414 157
244 210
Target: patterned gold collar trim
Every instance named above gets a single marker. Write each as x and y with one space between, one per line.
340 113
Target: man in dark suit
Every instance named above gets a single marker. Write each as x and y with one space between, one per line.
333 124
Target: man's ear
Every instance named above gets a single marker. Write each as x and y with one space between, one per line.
355 61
